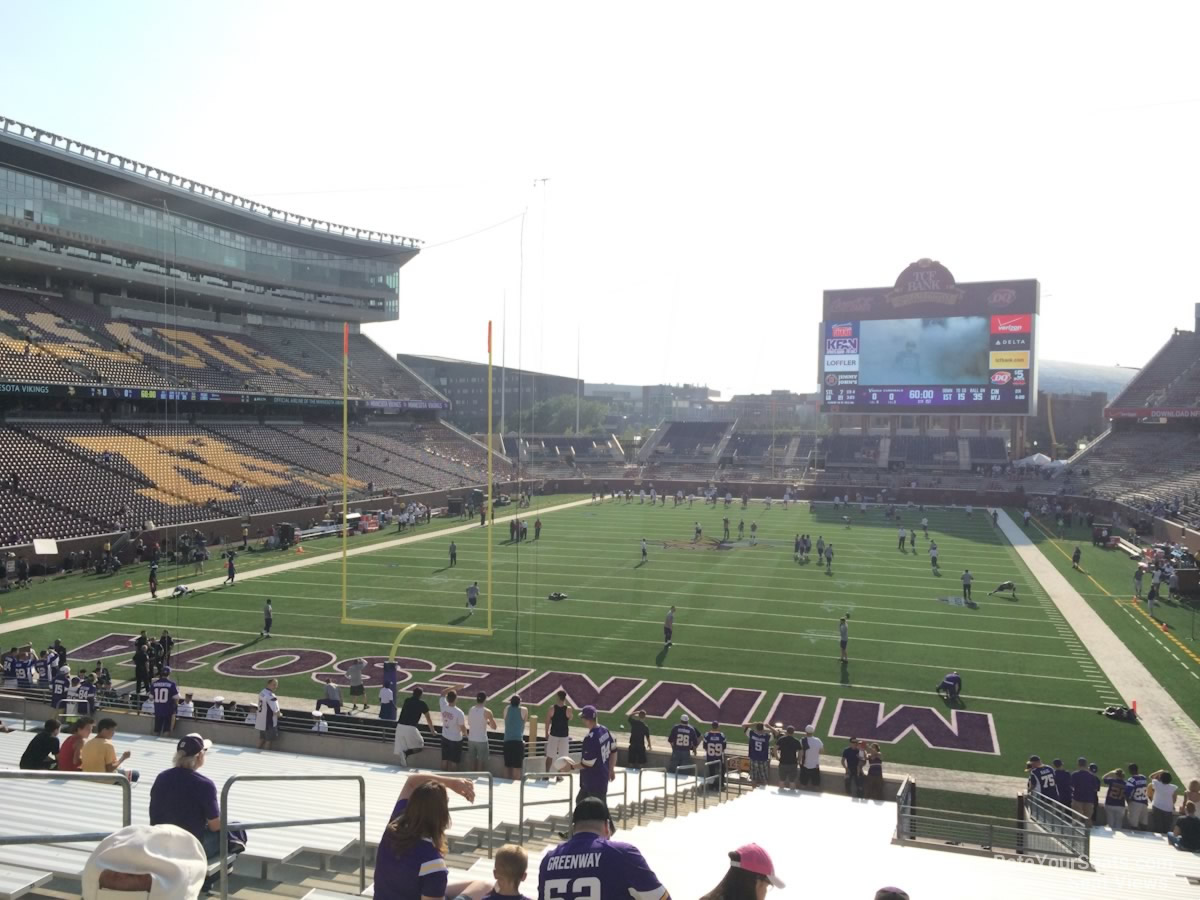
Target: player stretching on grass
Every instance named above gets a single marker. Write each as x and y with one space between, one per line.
951 687
1005 586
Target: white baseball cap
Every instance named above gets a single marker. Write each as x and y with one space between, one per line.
684 718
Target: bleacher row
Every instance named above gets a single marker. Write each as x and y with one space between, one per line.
852 850
1171 378
44 338
93 808
1144 468
63 481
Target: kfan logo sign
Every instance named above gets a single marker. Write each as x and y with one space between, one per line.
966 732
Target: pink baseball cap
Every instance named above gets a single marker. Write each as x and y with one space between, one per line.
754 858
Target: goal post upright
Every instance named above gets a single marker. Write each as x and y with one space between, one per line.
345 462
488 497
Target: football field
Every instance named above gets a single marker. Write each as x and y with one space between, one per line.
756 633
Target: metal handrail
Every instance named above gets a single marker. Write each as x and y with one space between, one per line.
522 802
361 819
75 837
624 795
1059 823
489 806
24 707
640 805
695 792
717 773
906 797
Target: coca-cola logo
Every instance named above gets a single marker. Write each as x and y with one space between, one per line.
842 330
1001 377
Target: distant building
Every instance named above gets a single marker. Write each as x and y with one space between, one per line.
679 402
465 384
780 407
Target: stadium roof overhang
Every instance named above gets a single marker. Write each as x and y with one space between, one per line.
45 155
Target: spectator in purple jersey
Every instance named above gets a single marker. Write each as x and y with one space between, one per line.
598 763
1085 790
714 753
759 738
165 694
59 688
684 739
1114 799
410 863
591 866
1062 783
1041 778
1137 813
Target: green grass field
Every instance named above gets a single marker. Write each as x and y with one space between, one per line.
749 617
1106 582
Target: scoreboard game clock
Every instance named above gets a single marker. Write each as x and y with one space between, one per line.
931 342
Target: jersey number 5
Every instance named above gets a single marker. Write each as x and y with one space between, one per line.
579 889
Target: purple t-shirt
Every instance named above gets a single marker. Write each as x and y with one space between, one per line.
760 745
591 867
419 872
1085 786
163 691
185 798
597 748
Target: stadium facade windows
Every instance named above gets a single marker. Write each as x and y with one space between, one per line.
159 234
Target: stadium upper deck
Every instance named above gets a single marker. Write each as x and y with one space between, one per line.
69 211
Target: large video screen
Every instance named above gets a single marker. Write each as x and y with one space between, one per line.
927 342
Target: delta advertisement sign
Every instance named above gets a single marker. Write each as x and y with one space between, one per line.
965 732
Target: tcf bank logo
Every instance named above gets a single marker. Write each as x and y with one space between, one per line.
1001 377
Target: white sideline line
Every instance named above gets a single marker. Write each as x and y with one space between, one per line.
1160 715
116 603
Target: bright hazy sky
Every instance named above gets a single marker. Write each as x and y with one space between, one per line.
712 168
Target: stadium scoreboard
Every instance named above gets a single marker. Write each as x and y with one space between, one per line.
930 343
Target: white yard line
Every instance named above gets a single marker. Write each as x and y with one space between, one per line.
217 581
1173 732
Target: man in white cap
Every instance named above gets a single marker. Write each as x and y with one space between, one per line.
320 726
810 763
183 797
684 740
216 712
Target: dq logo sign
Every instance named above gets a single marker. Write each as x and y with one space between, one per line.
1001 377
